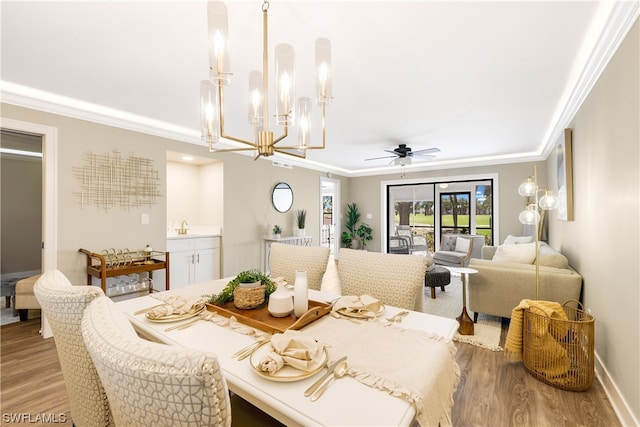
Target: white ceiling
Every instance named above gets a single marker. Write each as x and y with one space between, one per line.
485 82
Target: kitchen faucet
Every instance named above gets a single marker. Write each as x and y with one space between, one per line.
184 226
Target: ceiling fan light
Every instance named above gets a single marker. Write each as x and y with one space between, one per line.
219 62
402 161
285 84
323 68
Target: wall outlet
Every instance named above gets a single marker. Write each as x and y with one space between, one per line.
144 219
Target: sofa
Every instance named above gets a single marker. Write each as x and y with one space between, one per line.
506 276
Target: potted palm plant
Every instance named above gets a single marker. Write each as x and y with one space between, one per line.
301 218
349 239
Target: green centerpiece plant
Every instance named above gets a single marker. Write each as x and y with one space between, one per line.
248 276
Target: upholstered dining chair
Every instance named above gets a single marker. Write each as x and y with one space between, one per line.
151 384
285 260
394 279
63 305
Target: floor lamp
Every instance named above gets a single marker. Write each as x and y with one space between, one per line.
534 213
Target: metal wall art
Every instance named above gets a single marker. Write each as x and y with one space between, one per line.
110 179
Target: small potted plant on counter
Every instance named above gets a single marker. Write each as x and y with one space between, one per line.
277 231
301 218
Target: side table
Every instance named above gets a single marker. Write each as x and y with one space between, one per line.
466 323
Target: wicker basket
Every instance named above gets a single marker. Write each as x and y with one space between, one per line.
248 298
560 352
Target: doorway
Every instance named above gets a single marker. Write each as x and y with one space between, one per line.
49 245
330 214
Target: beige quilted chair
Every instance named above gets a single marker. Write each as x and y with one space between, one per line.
63 305
151 384
285 260
394 279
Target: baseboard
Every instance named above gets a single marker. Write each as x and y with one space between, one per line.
619 404
19 275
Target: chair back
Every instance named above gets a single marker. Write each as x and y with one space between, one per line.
151 384
63 306
285 260
394 279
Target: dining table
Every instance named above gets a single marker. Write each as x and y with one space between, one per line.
346 402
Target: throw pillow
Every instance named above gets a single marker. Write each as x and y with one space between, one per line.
462 244
524 253
513 240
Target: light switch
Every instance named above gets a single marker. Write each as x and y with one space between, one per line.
144 218
369 216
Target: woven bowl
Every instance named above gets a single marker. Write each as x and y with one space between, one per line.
248 298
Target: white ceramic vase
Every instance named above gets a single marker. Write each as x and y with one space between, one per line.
280 302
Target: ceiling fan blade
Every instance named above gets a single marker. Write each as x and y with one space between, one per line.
427 151
425 156
378 158
392 152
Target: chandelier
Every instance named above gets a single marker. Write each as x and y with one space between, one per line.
286 113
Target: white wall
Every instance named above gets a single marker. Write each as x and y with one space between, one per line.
603 240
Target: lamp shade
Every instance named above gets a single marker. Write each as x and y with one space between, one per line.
529 216
304 122
285 84
549 201
323 68
219 61
528 188
209 119
256 98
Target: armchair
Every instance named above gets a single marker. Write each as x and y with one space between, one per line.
63 305
456 250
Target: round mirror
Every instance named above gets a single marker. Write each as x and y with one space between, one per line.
282 197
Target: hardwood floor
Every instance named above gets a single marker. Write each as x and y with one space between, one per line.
492 392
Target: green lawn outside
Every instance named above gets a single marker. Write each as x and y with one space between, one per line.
447 220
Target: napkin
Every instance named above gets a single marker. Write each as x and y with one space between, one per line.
364 304
174 305
292 348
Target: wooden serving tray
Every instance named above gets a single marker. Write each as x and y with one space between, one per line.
260 318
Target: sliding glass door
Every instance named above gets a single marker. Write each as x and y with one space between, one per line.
419 209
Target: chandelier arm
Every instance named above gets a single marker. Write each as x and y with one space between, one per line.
222 150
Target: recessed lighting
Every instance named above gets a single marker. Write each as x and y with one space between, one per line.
20 152
187 158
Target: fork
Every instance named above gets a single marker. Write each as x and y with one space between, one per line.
245 352
397 317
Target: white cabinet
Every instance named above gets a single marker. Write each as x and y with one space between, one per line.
193 260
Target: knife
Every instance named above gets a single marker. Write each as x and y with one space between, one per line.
322 379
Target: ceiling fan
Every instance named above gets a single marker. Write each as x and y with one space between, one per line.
402 154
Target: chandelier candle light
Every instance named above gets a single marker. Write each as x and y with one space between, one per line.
532 214
212 95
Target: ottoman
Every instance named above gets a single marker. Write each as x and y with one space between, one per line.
437 277
25 298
